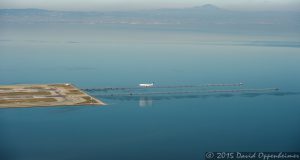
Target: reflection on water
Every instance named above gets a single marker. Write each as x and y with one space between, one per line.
145 101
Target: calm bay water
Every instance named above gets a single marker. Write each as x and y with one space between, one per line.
146 128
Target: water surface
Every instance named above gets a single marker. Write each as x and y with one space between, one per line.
169 127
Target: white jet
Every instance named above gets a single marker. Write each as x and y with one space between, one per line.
146 85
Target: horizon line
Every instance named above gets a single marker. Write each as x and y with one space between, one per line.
146 9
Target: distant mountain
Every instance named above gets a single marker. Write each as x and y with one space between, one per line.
206 7
209 6
200 17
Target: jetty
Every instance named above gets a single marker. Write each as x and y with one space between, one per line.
234 88
94 89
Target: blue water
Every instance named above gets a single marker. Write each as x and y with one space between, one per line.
168 127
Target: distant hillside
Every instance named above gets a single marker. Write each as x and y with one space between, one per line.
203 17
195 15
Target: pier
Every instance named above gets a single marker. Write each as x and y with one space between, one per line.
192 92
159 87
176 90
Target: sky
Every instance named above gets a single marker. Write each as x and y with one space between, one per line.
113 5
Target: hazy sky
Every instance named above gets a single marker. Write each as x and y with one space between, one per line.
104 5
